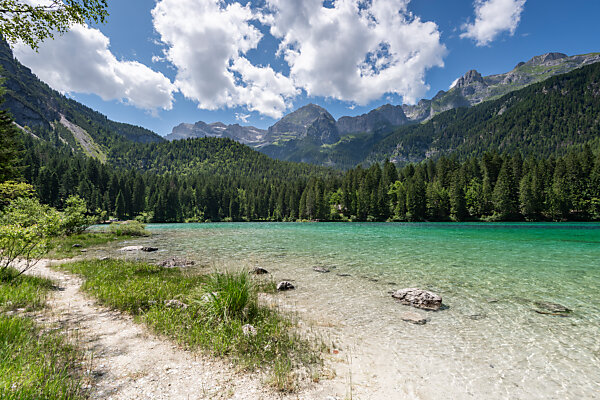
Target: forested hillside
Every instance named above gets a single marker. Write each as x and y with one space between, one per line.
33 104
543 119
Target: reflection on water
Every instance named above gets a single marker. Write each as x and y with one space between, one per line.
489 343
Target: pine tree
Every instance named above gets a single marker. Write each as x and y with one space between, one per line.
120 207
504 195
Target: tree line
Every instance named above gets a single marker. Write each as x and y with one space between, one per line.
493 187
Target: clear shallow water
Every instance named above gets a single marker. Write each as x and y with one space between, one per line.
489 343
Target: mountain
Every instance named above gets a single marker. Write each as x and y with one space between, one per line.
243 134
379 119
47 114
542 119
310 122
472 88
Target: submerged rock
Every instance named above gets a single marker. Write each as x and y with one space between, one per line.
413 318
175 304
176 262
285 285
149 249
418 298
552 308
320 269
259 271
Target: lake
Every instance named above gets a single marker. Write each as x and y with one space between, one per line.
487 343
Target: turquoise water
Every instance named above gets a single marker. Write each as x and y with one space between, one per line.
488 343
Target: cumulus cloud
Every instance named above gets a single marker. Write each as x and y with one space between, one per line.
355 50
352 50
207 41
80 61
492 17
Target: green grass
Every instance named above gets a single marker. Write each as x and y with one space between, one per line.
218 306
34 364
25 292
62 247
128 228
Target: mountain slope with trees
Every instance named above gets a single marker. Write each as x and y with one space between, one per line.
39 109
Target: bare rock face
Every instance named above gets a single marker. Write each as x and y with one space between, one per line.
418 298
413 318
285 285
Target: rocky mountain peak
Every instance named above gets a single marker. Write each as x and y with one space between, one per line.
469 78
544 58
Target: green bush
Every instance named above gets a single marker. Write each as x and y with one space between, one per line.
75 218
128 228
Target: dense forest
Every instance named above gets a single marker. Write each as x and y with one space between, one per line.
230 182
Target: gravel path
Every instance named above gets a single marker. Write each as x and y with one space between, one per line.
131 363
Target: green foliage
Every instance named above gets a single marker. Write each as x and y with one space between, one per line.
11 190
22 21
75 219
128 228
25 292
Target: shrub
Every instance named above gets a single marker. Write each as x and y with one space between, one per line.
75 218
128 228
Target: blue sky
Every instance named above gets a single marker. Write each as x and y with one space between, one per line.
218 61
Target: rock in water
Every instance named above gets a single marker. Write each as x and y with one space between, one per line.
175 262
285 285
131 248
418 298
149 249
320 269
259 271
552 308
413 318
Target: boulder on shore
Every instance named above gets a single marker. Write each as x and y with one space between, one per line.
149 249
418 298
285 285
259 271
413 318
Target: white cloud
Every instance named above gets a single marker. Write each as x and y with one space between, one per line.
80 61
454 82
207 41
356 51
242 117
492 17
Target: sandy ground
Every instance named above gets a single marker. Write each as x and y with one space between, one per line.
128 362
